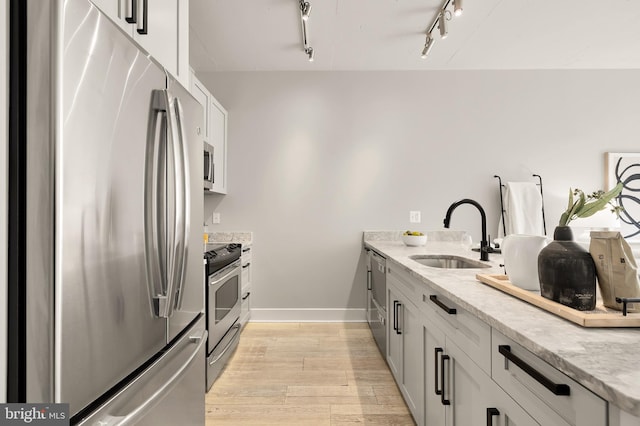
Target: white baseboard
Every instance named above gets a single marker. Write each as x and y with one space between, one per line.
308 315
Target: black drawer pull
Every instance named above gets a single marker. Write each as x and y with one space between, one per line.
557 389
442 398
450 311
142 26
436 381
244 250
397 306
395 316
134 12
490 413
246 296
246 265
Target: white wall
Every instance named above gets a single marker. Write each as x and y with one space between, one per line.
315 158
4 24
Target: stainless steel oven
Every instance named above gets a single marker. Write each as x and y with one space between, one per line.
223 295
209 166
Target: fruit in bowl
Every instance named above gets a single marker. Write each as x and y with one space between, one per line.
414 238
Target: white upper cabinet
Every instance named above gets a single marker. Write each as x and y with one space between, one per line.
218 138
161 27
215 132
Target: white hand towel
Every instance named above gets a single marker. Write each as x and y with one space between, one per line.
523 209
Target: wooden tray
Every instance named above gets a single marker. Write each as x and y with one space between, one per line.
599 317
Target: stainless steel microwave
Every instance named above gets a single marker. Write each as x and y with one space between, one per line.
209 165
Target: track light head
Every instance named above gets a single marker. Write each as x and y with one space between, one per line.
310 53
457 7
442 24
428 44
305 7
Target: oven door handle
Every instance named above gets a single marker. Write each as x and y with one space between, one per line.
233 270
231 341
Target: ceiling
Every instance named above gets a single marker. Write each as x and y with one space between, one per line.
265 35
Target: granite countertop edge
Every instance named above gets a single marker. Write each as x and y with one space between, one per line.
603 360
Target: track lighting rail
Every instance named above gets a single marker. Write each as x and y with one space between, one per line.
305 10
440 20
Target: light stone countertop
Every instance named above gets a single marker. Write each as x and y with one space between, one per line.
604 360
241 237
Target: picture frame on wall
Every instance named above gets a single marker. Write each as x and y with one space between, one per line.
625 167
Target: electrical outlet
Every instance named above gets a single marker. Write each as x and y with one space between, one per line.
414 216
215 217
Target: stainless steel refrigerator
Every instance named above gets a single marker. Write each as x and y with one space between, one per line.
106 288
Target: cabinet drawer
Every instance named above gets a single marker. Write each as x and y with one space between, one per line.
405 283
246 267
245 305
540 387
469 333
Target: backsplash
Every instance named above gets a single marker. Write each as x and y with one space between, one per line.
231 237
439 235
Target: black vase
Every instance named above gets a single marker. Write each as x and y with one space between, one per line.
567 272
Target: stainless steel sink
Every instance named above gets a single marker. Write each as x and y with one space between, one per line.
446 261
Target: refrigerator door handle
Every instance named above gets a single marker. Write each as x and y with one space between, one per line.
150 403
154 204
183 166
174 205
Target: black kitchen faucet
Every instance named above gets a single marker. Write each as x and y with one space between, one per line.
484 244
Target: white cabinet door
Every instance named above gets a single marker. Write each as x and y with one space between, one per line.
394 343
218 138
434 346
462 388
156 31
202 95
405 354
412 360
500 409
161 28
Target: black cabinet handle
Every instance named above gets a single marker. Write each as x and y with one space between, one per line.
395 316
246 296
397 308
444 392
244 250
134 13
369 280
436 381
450 311
556 388
246 266
142 27
490 413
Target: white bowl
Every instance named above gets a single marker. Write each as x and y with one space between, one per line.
414 240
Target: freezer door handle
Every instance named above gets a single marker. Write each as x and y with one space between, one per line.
155 204
150 403
182 200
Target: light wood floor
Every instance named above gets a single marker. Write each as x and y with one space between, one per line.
306 374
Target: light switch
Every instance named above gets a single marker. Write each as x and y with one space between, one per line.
414 216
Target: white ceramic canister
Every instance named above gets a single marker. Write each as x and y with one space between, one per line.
521 259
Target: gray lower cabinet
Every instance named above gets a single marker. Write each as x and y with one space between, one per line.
455 370
541 389
404 348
